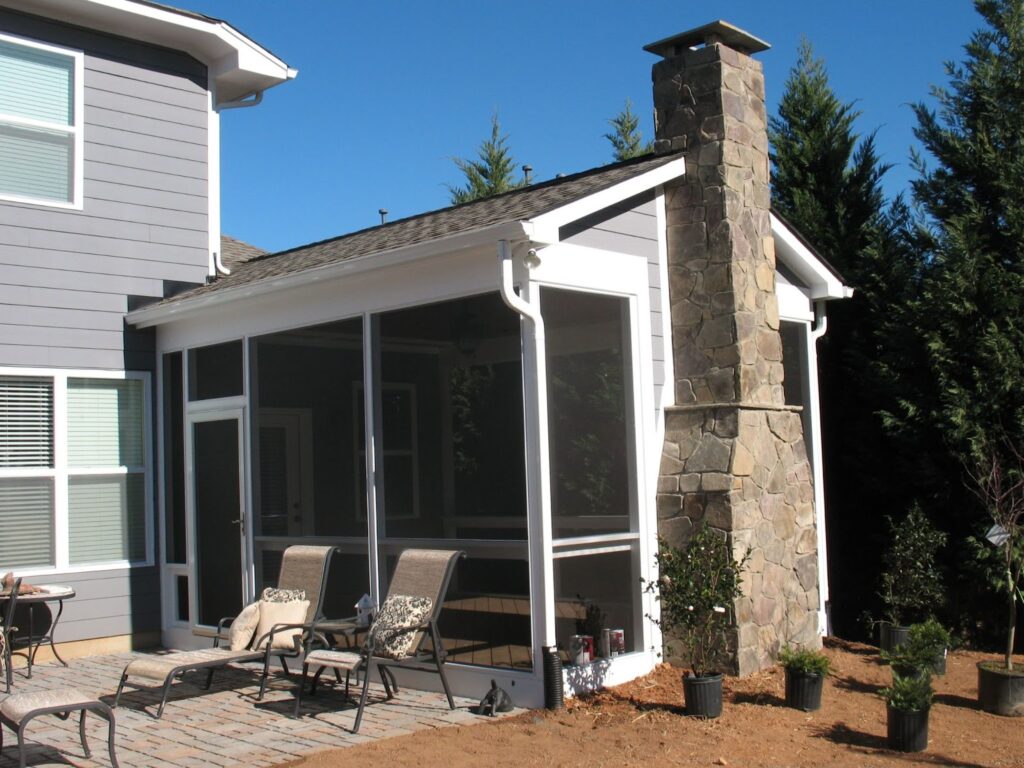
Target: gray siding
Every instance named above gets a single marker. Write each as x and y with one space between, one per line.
65 276
107 604
630 227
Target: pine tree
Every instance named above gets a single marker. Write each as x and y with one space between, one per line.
972 303
823 182
626 139
827 184
491 174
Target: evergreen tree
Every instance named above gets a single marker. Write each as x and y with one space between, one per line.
626 139
969 314
491 173
827 184
823 182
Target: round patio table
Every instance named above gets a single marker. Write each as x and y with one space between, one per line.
48 593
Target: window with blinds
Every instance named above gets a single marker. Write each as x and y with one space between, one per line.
38 121
106 436
73 480
26 422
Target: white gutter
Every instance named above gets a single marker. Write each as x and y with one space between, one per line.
166 311
538 476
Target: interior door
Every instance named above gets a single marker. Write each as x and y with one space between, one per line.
219 514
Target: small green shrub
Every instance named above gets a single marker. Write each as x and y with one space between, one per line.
909 694
911 582
926 642
805 661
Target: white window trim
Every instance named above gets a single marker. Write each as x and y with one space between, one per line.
76 130
61 472
412 452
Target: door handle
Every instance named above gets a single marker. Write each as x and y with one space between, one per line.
237 521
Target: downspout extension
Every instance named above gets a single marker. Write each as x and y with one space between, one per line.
249 100
551 665
820 321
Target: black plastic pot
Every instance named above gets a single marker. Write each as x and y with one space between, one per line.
891 636
1000 691
703 695
803 690
907 731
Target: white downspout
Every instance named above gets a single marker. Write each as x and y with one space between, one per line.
814 416
538 464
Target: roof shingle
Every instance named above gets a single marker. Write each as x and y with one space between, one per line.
518 205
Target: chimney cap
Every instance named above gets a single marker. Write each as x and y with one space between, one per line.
716 32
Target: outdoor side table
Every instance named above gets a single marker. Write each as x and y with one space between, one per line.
48 593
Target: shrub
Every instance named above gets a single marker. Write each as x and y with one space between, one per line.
925 645
696 589
911 582
805 661
909 694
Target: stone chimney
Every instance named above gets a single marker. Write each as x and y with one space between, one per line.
734 452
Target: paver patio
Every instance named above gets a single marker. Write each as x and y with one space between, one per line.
224 726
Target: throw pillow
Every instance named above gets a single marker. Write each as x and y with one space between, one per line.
397 623
272 613
274 595
241 630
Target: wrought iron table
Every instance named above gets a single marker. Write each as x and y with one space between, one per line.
48 593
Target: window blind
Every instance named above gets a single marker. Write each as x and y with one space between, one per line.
26 522
106 518
36 84
35 162
105 423
26 422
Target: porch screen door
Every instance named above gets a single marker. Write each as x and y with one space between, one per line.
219 515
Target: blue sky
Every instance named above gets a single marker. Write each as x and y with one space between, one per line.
388 92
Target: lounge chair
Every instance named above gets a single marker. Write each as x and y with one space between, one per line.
406 618
302 568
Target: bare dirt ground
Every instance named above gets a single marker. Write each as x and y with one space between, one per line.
643 723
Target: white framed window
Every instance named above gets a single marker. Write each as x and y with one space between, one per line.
41 116
75 470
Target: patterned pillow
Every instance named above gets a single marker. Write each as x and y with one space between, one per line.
395 626
274 595
242 628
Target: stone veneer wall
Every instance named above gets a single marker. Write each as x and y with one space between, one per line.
734 453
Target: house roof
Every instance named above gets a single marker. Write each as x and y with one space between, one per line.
516 206
238 65
234 252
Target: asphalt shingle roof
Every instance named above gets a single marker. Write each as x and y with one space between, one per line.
234 252
518 205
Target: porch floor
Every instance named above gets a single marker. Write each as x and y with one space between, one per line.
224 726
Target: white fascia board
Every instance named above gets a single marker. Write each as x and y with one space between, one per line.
237 64
794 254
545 226
166 312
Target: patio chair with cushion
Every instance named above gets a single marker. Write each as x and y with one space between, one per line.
279 625
407 617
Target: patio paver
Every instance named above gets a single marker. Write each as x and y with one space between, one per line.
224 726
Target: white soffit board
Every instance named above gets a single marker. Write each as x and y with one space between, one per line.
238 66
805 265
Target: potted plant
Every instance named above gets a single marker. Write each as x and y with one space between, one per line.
999 484
924 651
908 701
911 585
805 677
696 589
